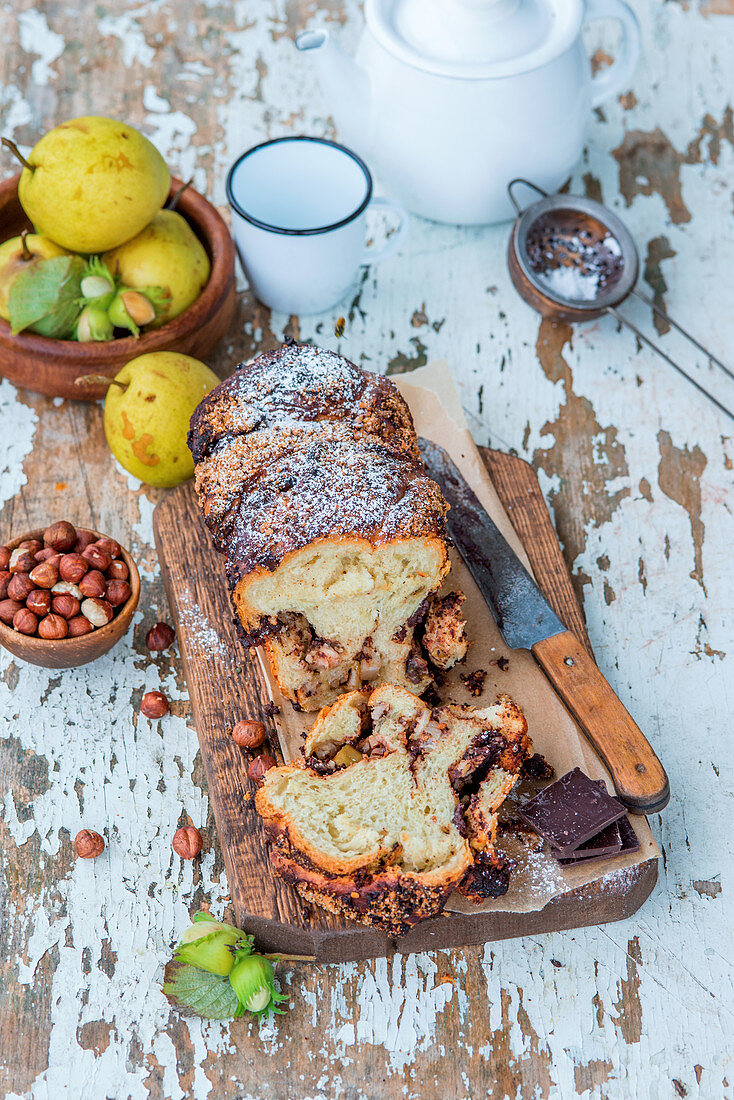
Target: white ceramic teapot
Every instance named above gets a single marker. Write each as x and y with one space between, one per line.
451 99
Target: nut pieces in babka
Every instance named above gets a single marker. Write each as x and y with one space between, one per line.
311 484
395 805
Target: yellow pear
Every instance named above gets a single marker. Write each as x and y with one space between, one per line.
168 254
16 255
147 412
92 183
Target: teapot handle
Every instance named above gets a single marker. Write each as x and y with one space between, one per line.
615 79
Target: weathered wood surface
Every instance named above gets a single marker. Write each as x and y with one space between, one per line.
225 682
638 473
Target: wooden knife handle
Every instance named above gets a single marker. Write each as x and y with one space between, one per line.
638 775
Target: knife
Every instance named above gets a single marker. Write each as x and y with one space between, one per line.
527 621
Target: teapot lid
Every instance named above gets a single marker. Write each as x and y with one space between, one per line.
475 39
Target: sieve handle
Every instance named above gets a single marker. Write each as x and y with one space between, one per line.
526 183
616 78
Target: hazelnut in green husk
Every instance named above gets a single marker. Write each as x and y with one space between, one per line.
252 978
208 944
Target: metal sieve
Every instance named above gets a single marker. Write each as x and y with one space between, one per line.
572 259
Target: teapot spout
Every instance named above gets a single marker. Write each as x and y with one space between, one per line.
345 85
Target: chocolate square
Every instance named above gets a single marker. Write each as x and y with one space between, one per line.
570 811
606 843
630 842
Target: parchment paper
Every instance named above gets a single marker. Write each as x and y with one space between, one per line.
537 878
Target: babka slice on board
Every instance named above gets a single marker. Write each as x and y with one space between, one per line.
395 805
311 484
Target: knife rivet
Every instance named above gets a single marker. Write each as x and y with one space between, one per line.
640 768
568 661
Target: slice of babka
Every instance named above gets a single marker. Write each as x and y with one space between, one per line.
395 805
311 484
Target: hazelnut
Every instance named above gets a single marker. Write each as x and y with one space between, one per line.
4 557
8 610
154 704
117 571
39 601
118 593
61 536
73 567
83 539
21 561
99 612
25 622
31 545
187 842
45 554
249 735
160 637
93 583
78 626
5 577
19 586
65 605
45 575
96 556
110 546
53 627
259 766
88 845
66 588
347 755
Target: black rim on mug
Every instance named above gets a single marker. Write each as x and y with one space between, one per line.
298 232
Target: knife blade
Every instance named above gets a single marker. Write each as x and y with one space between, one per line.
527 621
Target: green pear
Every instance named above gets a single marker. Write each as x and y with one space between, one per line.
147 412
92 183
16 256
166 254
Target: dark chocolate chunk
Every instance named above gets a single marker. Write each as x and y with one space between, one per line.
606 843
570 811
537 767
630 843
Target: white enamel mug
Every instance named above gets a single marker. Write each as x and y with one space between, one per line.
299 211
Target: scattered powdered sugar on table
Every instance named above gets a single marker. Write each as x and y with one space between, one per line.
200 631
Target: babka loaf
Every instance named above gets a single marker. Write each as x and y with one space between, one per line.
395 805
311 484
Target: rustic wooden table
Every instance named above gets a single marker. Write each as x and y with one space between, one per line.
638 474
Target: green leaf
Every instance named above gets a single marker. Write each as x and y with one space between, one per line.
198 993
43 298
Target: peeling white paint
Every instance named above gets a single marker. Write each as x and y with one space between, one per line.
36 37
17 427
129 32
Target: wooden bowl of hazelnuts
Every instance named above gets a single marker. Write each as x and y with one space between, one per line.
67 595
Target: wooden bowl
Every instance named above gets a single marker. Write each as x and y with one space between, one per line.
50 366
70 652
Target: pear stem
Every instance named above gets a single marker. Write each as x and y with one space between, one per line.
98 380
17 153
27 254
172 204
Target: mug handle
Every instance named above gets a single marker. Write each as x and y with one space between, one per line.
393 243
615 79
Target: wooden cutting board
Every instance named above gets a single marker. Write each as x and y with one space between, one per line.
226 685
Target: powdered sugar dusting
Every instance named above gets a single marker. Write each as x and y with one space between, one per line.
297 385
203 638
304 445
